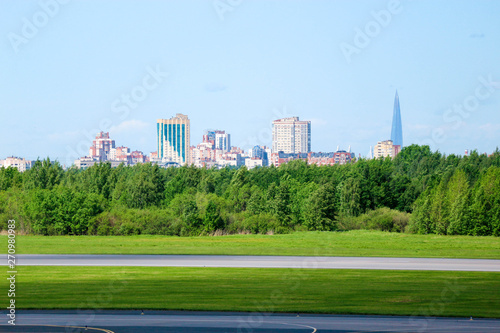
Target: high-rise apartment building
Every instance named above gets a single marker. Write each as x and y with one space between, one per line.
222 141
101 147
397 129
291 136
173 139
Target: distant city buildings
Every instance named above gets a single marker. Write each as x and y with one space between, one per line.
209 152
340 157
236 158
137 157
216 152
280 158
85 162
101 147
291 136
291 141
390 148
120 154
253 162
103 150
19 163
386 149
259 153
205 154
173 140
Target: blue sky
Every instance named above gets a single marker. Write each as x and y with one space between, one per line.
66 69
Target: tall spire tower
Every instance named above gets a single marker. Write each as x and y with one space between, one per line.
397 130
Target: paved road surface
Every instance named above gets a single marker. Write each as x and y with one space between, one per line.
261 262
169 321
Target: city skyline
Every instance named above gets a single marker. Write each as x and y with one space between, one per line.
86 69
291 141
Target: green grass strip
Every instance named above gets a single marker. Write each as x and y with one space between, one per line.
436 293
352 243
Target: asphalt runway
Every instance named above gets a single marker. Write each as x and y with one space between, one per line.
211 322
422 264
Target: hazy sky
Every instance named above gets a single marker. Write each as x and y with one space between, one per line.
69 69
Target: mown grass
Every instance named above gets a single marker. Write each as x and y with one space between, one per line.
434 293
352 243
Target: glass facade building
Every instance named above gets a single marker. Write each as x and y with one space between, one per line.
397 130
173 139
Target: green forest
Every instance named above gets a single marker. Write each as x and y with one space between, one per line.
419 191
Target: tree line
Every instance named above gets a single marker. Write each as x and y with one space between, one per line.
419 191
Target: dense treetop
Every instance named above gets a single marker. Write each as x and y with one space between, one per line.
418 191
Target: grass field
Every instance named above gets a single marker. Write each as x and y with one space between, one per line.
352 243
264 290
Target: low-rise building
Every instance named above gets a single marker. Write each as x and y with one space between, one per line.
339 157
232 158
137 157
253 162
386 149
19 163
280 158
85 162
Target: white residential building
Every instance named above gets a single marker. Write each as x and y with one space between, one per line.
253 162
291 136
222 141
20 164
